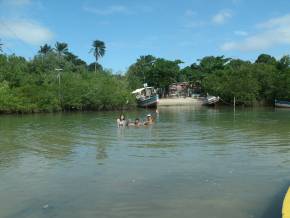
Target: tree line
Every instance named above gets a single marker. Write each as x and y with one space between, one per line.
55 79
251 83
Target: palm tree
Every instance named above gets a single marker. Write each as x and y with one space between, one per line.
61 48
45 49
98 50
1 44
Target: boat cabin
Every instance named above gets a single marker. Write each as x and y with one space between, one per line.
144 93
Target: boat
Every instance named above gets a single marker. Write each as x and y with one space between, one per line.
211 100
286 205
282 103
146 97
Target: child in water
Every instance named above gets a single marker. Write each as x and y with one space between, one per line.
137 122
121 121
149 120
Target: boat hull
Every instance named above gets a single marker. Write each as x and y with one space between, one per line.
283 104
211 101
148 102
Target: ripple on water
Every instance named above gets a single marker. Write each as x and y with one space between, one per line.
81 165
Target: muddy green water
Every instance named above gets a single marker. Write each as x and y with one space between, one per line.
191 163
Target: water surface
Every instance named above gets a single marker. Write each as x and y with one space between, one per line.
193 162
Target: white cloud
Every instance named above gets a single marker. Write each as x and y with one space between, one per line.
114 9
222 17
27 31
240 33
273 32
190 20
275 22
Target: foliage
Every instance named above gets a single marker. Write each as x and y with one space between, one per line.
262 81
157 72
210 64
266 59
36 86
230 83
45 49
99 50
249 83
61 48
8 101
95 66
1 44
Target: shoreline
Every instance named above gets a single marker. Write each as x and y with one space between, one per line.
188 101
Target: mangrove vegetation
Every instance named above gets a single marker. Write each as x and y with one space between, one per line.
258 83
55 79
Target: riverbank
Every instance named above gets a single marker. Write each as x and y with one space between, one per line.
51 83
163 102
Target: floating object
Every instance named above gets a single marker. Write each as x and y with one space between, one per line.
211 100
281 103
45 206
286 205
146 97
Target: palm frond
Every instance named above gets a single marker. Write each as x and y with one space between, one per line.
98 49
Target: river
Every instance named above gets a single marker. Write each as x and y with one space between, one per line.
193 162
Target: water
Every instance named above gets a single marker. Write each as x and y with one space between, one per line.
191 163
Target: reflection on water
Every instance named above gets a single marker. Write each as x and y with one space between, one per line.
193 162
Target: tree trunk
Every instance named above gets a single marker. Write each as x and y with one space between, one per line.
95 67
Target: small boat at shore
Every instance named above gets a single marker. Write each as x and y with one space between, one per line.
286 205
282 103
211 100
146 97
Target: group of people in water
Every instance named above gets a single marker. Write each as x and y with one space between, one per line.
123 122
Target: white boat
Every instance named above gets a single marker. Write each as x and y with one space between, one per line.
211 100
146 97
284 104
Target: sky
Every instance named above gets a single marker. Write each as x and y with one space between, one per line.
173 29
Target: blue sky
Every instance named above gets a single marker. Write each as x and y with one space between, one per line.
172 29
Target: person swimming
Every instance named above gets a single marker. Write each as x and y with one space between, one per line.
121 121
137 122
149 120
